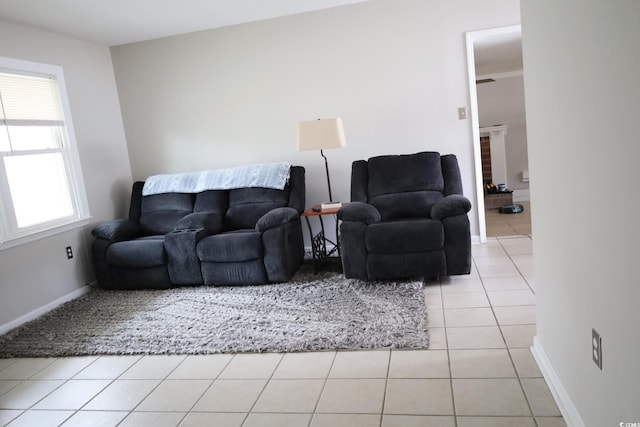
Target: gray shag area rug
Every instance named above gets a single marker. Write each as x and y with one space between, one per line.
309 313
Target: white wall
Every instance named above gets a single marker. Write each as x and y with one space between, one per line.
35 274
581 68
502 103
394 70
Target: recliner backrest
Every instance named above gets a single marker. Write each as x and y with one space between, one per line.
404 186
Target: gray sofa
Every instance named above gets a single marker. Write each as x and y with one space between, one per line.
242 236
408 218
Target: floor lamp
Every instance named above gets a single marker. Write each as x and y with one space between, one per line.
322 134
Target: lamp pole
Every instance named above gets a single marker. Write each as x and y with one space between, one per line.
326 166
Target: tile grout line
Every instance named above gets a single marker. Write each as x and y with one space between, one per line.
206 389
386 384
446 340
75 411
141 400
64 381
266 384
111 381
324 385
516 265
506 344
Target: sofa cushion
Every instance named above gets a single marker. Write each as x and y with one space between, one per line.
160 213
139 253
247 205
212 201
404 237
235 246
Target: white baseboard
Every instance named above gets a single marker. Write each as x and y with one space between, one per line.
42 310
522 195
563 400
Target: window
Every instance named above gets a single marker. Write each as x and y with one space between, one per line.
41 186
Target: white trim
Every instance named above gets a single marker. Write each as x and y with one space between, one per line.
43 310
32 237
475 239
563 400
77 177
471 37
475 132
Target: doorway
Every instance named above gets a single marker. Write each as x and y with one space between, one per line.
496 93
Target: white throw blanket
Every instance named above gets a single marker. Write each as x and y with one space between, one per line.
267 175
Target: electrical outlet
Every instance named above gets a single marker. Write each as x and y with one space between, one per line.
462 113
69 252
596 348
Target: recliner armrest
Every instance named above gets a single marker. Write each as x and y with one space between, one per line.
360 212
452 205
276 217
117 230
211 222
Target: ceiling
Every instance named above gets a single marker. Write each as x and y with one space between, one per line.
498 54
115 22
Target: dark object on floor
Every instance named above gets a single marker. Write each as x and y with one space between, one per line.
511 209
242 236
408 218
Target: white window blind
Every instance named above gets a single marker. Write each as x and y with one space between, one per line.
29 99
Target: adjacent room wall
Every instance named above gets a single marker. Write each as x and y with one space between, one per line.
36 274
502 103
581 68
394 70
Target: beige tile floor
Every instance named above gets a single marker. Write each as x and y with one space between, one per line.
509 224
479 372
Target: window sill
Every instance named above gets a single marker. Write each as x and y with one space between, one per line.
39 235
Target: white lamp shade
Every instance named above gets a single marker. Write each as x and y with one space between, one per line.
321 134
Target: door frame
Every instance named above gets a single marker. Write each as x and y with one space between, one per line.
471 38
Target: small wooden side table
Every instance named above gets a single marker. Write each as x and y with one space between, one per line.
319 249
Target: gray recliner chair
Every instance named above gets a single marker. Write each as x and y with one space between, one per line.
408 218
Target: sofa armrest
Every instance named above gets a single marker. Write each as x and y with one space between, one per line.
360 212
117 230
211 222
276 217
451 205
